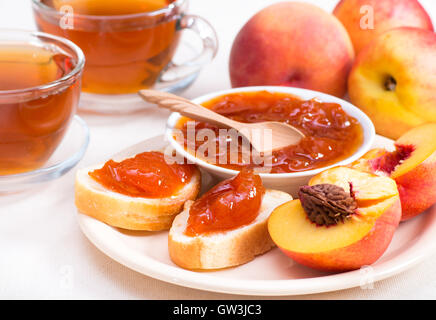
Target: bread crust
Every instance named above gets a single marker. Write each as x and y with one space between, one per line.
224 249
118 210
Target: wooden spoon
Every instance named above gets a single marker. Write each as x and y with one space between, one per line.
273 135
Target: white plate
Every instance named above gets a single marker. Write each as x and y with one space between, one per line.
270 274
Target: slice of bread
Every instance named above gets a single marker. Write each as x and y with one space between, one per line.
227 248
132 213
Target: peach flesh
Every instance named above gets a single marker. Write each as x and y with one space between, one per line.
416 186
363 242
390 160
412 165
359 240
362 184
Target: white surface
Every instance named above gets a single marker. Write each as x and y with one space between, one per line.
147 253
44 253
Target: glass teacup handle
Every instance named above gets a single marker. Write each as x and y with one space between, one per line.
172 76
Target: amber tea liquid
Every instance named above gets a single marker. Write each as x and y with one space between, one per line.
122 55
30 130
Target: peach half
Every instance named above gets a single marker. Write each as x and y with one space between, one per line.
412 165
347 226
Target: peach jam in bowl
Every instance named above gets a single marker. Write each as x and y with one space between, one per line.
337 133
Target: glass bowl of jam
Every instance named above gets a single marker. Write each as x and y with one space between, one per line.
336 133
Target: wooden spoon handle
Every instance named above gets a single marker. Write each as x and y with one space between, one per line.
187 108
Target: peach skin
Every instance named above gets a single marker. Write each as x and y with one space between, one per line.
292 44
339 223
393 80
412 165
366 19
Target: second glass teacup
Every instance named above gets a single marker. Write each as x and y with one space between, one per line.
129 45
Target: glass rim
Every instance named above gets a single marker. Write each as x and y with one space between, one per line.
58 82
166 10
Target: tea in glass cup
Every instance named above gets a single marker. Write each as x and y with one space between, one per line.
129 45
39 92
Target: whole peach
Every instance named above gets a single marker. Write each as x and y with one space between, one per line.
365 19
393 80
292 44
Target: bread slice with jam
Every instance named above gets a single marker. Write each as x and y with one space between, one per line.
131 212
227 248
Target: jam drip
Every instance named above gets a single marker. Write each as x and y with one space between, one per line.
146 175
229 205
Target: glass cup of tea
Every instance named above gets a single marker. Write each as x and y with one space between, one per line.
40 80
129 45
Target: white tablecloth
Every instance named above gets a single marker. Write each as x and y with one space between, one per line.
43 253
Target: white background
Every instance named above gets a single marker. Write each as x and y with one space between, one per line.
43 253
